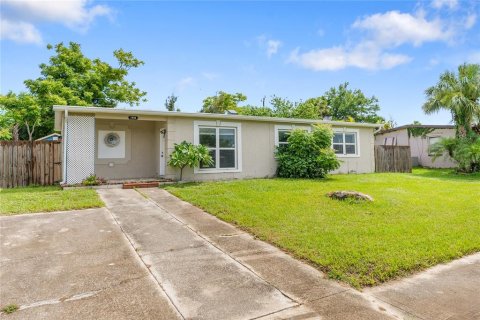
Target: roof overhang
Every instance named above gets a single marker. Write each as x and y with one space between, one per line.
114 113
426 126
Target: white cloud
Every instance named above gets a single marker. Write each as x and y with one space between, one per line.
470 21
74 14
450 4
394 28
19 31
362 56
184 83
272 47
380 34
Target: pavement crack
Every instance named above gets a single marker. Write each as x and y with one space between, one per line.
74 297
328 295
169 250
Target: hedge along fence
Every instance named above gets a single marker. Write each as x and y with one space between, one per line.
24 163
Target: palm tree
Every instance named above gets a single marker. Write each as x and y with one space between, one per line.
459 94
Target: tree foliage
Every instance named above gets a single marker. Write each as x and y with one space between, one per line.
186 154
307 154
458 93
20 113
345 104
71 78
338 103
170 103
464 150
418 131
222 102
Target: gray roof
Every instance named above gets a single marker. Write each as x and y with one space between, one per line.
429 126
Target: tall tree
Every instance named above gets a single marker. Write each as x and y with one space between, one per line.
71 78
313 108
170 103
345 104
282 107
222 101
459 93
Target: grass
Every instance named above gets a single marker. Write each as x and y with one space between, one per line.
11 308
43 199
416 221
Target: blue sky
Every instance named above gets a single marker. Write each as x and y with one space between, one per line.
391 49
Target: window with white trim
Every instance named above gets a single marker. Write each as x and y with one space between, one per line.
282 132
283 135
222 144
345 143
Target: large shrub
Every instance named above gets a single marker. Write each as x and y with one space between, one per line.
307 154
464 150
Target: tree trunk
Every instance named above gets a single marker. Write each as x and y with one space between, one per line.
15 132
30 132
181 173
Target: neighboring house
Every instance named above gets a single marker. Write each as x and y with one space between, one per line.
420 138
51 137
128 144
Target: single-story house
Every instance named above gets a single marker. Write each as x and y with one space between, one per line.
133 144
420 138
51 137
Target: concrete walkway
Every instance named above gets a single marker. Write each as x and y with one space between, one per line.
447 291
212 270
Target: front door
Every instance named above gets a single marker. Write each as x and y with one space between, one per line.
162 152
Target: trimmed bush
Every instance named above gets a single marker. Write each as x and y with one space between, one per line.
307 154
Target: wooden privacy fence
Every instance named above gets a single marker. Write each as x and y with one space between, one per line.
393 159
24 163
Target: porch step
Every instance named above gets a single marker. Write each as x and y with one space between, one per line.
133 185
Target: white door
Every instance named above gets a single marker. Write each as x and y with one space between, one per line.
162 152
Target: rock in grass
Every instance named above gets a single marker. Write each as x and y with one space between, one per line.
353 195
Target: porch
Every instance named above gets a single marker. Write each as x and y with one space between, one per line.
115 150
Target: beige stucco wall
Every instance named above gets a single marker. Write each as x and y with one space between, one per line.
258 146
365 162
419 149
401 138
141 157
419 146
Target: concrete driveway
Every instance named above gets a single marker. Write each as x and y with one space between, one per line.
152 256
75 265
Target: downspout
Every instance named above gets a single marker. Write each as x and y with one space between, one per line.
65 141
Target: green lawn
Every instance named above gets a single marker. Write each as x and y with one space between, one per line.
416 221
41 199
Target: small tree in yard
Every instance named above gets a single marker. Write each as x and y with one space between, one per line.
20 111
307 154
186 154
